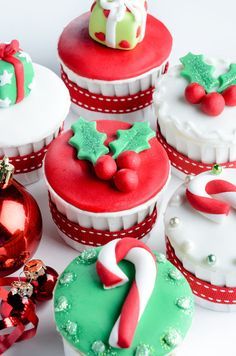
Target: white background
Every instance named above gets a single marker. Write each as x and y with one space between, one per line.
202 26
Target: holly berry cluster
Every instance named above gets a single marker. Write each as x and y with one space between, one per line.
213 103
123 170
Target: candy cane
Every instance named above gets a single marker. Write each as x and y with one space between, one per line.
141 290
117 10
212 195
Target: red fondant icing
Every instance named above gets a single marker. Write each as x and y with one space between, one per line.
207 205
75 180
89 59
108 278
220 186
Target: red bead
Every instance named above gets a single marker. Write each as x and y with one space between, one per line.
129 159
230 96
213 104
124 44
100 36
106 13
126 180
194 93
105 167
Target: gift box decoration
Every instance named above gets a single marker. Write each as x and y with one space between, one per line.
16 74
118 24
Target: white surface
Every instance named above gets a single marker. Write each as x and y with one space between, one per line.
202 26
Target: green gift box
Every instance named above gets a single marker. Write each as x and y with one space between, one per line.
16 74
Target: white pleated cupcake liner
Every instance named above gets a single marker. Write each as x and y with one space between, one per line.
132 117
117 88
197 150
28 149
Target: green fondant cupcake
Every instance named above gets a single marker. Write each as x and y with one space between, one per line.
148 313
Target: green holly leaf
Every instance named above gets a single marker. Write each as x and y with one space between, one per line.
88 141
134 139
228 78
197 71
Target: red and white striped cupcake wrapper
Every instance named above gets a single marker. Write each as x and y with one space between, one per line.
184 164
93 237
200 288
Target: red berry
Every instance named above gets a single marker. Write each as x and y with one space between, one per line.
105 167
230 96
100 36
106 13
129 159
194 93
126 180
213 104
124 44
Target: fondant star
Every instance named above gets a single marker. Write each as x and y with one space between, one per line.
5 78
5 103
26 56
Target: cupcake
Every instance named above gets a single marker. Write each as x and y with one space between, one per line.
105 179
98 313
103 62
195 108
29 120
200 224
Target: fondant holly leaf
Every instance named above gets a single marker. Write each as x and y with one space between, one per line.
228 78
134 139
88 141
197 71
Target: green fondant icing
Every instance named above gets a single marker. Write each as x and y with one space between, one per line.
228 79
135 139
8 91
196 70
88 142
95 310
126 30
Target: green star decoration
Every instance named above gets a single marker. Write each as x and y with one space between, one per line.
228 78
134 139
196 70
88 141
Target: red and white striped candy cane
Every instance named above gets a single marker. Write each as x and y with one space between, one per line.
141 290
212 195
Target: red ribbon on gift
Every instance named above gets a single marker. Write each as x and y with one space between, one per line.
7 52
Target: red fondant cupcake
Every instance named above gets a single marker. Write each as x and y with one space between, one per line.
111 57
105 180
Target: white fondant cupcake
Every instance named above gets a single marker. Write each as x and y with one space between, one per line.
34 103
196 122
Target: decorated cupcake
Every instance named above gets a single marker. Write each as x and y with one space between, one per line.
103 62
200 223
105 180
99 311
29 120
195 107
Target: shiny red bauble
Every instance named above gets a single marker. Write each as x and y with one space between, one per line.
213 104
230 96
129 159
20 227
126 180
194 93
105 167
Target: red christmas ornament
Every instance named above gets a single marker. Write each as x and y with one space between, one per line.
230 96
213 104
194 93
126 180
129 159
105 167
20 222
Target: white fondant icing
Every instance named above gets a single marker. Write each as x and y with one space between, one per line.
39 115
187 128
206 238
117 13
5 78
